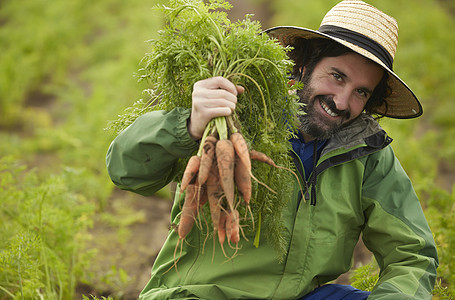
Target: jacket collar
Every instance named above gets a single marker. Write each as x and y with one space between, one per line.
365 130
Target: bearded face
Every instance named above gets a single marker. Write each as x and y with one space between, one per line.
335 93
312 123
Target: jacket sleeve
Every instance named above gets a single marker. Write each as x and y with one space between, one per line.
144 157
396 231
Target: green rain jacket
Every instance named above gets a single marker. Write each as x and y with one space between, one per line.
360 188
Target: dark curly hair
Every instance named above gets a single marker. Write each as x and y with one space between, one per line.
309 52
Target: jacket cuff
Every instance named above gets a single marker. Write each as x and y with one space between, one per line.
181 130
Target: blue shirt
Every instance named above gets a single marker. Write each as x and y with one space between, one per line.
305 152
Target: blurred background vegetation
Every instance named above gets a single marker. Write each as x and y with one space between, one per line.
67 68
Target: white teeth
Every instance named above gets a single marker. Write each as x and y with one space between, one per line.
327 109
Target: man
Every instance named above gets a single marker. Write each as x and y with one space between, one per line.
357 185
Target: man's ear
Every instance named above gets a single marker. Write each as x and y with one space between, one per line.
301 72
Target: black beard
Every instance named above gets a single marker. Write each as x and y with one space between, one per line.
311 122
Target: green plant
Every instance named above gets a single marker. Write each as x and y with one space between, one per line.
442 293
365 277
43 233
441 216
65 70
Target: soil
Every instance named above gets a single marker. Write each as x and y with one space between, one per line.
126 247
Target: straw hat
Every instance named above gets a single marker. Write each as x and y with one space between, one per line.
369 32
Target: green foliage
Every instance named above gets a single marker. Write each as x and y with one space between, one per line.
26 64
441 215
365 277
43 232
442 293
66 69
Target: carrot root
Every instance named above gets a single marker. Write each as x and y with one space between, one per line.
190 172
189 211
242 179
225 159
259 156
207 157
222 231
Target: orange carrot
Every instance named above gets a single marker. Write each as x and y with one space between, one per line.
214 194
202 195
222 228
242 172
235 227
188 215
262 157
229 224
244 154
189 211
208 154
242 179
201 199
241 148
191 171
221 232
225 160
232 226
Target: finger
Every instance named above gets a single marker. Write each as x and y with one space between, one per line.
240 89
221 102
220 112
217 83
215 94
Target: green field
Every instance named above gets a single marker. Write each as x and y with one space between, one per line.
67 68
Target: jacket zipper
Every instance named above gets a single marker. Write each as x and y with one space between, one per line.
373 143
301 171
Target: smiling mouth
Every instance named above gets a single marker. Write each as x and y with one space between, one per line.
328 110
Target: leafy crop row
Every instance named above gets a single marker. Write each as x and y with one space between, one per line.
43 225
65 69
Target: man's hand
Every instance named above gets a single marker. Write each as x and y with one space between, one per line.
212 97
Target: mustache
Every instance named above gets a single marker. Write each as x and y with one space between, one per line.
328 100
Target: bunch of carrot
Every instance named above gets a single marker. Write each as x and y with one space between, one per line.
220 174
212 176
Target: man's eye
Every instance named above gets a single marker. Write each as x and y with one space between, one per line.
337 76
362 93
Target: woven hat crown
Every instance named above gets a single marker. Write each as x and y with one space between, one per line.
365 19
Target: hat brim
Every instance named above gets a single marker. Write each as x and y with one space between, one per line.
402 103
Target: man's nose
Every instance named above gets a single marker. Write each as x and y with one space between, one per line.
341 99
